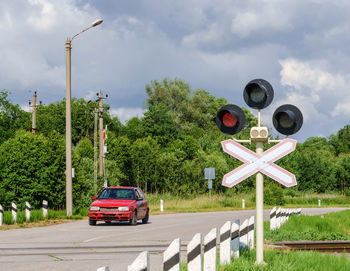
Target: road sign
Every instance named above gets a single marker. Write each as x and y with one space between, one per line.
209 173
254 162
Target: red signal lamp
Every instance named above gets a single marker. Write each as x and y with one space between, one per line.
230 119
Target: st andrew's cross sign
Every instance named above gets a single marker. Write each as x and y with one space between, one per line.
254 162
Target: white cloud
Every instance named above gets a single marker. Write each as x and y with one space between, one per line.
46 18
245 23
342 109
299 74
126 113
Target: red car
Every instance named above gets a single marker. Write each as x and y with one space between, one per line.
119 204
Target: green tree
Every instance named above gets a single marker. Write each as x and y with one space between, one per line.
341 141
12 117
31 170
159 125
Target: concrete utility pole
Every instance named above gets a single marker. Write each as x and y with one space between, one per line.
95 152
34 106
100 110
100 107
69 200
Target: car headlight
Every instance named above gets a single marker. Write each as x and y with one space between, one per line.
94 208
124 208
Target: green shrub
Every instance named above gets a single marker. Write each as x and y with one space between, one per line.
273 195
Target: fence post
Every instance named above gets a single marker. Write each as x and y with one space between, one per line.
319 202
243 204
161 205
235 239
171 256
45 206
210 251
251 227
278 218
28 209
225 243
14 212
273 219
141 263
1 214
194 253
243 235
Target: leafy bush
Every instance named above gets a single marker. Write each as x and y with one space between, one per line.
273 195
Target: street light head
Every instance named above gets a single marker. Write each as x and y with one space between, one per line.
97 22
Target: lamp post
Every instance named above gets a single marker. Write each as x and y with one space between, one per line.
68 120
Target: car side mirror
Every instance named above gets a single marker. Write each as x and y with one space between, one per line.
93 197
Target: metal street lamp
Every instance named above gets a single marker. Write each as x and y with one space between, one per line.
69 204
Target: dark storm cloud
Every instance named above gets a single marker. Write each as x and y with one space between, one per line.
299 46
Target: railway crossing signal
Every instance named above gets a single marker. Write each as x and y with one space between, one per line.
263 163
287 120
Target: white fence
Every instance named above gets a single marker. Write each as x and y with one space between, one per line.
281 215
203 256
28 209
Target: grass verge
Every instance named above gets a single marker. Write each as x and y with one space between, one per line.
233 201
292 260
332 226
37 218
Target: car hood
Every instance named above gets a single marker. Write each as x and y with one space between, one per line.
112 202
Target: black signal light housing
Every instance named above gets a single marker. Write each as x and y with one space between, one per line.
287 119
230 119
258 94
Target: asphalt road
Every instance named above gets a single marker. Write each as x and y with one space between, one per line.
78 246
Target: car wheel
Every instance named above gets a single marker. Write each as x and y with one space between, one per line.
108 222
145 220
133 221
92 222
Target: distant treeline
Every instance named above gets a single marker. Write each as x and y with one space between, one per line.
164 151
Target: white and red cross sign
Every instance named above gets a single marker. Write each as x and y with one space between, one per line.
254 162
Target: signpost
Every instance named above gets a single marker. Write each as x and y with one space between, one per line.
209 174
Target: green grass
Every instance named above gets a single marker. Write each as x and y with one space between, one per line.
37 215
200 203
332 226
231 201
311 200
293 261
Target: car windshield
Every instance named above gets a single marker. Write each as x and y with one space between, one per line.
114 193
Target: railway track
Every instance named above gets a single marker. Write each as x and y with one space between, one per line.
321 246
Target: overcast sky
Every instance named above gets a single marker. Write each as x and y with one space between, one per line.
301 47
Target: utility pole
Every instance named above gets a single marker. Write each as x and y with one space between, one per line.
100 110
95 150
104 151
34 106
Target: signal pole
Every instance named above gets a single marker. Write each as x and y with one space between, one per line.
34 106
